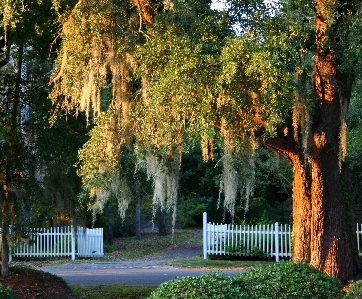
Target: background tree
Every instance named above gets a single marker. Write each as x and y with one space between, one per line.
27 29
353 145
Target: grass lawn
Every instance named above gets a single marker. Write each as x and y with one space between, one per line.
112 292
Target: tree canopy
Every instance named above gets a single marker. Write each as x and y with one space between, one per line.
157 77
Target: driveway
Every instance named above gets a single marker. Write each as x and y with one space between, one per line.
122 273
150 272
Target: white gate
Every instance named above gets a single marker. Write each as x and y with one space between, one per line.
59 241
90 242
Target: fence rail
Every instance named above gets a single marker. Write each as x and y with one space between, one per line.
59 241
273 240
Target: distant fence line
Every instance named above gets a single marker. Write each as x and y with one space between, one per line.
60 241
271 240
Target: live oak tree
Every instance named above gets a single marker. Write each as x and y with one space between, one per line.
311 133
287 83
285 80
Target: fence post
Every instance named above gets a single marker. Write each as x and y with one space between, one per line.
73 240
204 233
358 233
276 236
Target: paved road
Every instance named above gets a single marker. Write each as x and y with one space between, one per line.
94 274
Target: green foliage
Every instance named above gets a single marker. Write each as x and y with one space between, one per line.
354 141
282 280
190 211
253 252
213 285
6 293
180 64
108 247
289 280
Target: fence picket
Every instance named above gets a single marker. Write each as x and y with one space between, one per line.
60 241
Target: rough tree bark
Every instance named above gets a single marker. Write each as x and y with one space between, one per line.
323 234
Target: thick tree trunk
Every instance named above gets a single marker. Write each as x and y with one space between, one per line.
323 232
332 236
323 228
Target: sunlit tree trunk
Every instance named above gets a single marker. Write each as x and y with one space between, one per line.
323 228
302 209
323 233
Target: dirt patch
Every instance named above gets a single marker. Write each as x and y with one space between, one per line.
32 284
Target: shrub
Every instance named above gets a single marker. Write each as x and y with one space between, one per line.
289 280
6 293
284 280
210 285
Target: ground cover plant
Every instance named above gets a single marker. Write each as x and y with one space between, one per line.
281 280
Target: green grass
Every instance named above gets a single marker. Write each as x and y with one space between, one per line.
199 262
112 292
127 248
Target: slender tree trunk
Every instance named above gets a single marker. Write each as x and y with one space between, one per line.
11 168
162 223
109 235
138 210
4 234
138 220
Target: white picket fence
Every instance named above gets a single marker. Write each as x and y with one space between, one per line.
274 240
60 241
